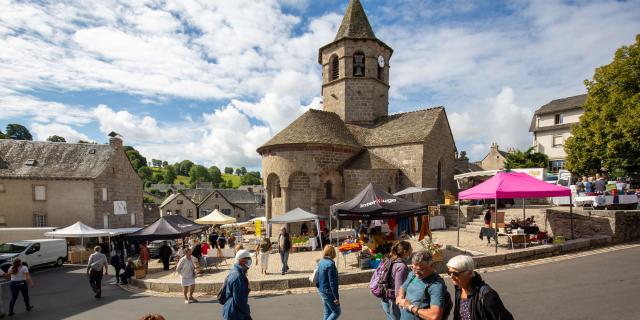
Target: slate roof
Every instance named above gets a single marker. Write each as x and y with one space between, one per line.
367 161
53 159
314 127
557 105
355 23
408 127
197 195
237 196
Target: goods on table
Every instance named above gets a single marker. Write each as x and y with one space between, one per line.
350 247
301 241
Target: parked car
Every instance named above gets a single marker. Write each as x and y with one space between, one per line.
154 247
34 253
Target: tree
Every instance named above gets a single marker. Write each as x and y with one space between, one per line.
228 170
157 177
156 163
185 166
136 159
526 159
18 132
607 134
215 175
55 138
83 141
145 173
251 178
169 175
197 174
228 184
238 172
243 170
164 164
2 136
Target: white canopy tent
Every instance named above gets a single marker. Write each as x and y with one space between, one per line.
413 190
298 215
78 230
216 217
119 231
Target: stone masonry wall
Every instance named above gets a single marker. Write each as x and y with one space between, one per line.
439 146
467 213
621 225
300 190
355 180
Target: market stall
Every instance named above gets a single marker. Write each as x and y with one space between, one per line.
606 200
80 230
299 215
167 227
509 185
216 217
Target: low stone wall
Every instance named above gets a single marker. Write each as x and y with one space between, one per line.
450 213
621 225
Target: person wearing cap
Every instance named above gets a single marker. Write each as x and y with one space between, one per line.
236 306
474 300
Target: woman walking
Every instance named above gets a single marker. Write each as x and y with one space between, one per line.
475 300
328 284
20 277
265 249
186 268
398 269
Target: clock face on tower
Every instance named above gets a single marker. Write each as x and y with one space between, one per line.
381 61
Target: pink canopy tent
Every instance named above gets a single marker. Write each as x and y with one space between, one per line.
514 185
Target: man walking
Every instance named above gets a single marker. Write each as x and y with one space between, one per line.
236 289
165 255
97 263
117 261
284 246
424 294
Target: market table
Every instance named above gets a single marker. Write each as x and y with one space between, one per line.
520 238
343 234
603 200
437 223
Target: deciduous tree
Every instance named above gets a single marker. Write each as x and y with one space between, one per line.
18 132
526 159
56 138
228 170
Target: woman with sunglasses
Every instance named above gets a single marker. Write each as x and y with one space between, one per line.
475 300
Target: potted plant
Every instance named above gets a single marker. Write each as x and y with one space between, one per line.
138 270
435 249
449 199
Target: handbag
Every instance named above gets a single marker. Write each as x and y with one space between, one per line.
313 278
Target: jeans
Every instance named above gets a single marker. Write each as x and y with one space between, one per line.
1 304
95 280
331 310
391 309
19 286
117 275
165 263
284 257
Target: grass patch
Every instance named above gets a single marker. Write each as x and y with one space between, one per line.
235 180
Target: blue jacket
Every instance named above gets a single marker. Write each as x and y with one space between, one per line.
237 305
328 278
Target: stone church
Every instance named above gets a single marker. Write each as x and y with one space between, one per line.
325 157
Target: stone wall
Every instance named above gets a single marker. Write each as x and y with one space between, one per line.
216 201
180 205
439 146
467 213
300 191
619 224
355 180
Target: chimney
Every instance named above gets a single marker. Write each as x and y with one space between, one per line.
494 146
115 140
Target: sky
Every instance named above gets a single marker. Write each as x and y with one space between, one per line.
210 81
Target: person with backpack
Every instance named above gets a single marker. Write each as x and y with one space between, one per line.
234 294
424 294
475 300
328 284
389 277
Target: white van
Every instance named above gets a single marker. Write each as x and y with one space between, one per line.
33 253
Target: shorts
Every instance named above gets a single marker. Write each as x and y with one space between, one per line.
188 282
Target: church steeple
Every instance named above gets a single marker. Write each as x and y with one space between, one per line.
355 70
355 23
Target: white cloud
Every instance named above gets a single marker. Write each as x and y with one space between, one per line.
43 131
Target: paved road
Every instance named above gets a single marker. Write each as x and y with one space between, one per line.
602 286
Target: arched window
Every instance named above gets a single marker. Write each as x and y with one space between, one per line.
335 68
358 64
328 190
380 73
277 192
439 177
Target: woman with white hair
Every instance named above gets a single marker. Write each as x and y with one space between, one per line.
475 300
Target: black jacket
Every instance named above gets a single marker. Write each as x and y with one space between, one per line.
165 252
485 302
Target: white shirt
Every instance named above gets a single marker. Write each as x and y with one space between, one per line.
186 269
20 276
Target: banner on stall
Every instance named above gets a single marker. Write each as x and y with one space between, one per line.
258 228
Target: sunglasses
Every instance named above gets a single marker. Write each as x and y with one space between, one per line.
455 273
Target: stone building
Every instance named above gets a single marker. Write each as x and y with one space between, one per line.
495 159
327 156
57 184
178 203
240 204
551 127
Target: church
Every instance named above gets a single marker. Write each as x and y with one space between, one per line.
325 157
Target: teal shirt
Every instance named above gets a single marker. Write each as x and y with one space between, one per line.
414 289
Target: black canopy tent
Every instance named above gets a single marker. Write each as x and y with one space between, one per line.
167 227
373 203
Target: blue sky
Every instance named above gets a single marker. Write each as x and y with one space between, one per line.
211 81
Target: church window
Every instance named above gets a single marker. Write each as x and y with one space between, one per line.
335 68
439 177
358 64
380 73
328 190
277 190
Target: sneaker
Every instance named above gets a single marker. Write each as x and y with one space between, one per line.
187 302
29 308
193 300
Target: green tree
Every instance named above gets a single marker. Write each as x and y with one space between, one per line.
197 174
243 170
18 132
228 170
164 164
145 173
169 175
251 178
136 159
83 141
215 175
157 177
607 134
156 163
185 167
228 184
2 136
147 184
238 172
55 138
526 159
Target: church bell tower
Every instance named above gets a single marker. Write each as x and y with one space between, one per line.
355 70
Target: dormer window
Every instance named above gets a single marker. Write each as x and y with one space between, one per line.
558 119
334 73
358 64
30 162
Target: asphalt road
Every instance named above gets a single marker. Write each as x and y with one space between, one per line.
602 286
